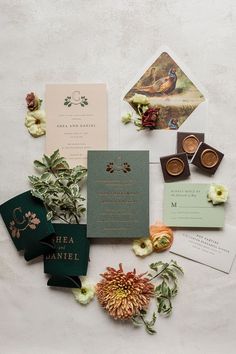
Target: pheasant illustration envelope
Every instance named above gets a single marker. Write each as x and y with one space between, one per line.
76 120
69 260
26 222
180 102
118 194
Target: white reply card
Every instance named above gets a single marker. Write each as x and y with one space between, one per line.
214 248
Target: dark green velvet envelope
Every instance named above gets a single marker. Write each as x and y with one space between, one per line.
69 260
26 222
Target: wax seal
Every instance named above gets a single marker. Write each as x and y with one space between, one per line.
209 158
174 166
190 144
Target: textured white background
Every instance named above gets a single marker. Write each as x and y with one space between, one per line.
107 41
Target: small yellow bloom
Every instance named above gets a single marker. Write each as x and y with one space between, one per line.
142 247
217 194
85 294
35 121
126 118
140 99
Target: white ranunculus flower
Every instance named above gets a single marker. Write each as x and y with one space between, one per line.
84 294
140 99
142 247
126 118
217 194
35 121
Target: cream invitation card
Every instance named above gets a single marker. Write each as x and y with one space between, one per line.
213 248
76 120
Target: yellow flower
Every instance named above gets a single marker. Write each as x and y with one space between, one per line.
140 99
142 247
126 118
36 123
161 237
85 294
217 194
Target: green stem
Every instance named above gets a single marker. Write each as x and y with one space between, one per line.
24 227
140 113
163 269
60 217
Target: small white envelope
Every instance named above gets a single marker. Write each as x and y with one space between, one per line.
162 142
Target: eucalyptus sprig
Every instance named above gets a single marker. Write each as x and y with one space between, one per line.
140 319
59 187
168 288
164 292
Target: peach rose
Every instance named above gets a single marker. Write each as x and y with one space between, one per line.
161 237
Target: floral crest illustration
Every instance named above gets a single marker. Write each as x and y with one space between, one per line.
29 220
112 167
75 99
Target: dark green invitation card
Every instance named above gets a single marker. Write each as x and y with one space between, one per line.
118 194
69 260
25 219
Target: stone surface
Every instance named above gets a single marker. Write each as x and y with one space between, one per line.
106 41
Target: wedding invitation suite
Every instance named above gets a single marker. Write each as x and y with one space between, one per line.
118 194
215 249
186 205
76 120
69 260
27 224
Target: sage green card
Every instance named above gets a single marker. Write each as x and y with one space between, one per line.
118 194
186 205
70 258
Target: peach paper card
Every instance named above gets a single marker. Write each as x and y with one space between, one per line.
76 120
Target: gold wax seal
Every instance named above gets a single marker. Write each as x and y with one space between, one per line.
190 144
174 166
209 158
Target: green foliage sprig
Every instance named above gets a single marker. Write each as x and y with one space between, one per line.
163 293
59 187
83 101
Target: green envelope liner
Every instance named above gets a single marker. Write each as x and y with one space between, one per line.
26 222
69 259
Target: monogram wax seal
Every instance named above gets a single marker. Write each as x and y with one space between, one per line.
209 158
190 144
175 166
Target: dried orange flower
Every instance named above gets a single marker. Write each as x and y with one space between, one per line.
161 237
123 295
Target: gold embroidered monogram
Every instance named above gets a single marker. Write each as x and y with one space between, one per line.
22 221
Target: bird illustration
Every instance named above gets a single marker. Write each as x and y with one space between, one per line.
165 85
173 123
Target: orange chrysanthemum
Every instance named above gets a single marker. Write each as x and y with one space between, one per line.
123 295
